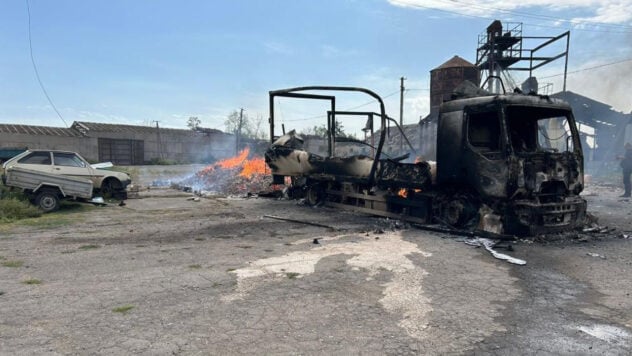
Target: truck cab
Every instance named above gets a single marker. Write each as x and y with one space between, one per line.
518 154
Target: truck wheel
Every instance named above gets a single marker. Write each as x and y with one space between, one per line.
47 201
314 195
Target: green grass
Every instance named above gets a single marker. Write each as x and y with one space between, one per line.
89 247
66 215
32 281
195 266
231 270
13 264
292 275
123 308
14 209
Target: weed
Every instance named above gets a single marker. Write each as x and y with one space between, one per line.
123 308
13 209
12 263
68 251
195 266
89 247
199 239
32 281
230 270
292 275
215 285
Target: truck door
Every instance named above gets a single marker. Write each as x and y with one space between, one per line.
484 163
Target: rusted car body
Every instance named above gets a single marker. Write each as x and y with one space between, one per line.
507 164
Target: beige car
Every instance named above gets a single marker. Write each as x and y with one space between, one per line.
109 183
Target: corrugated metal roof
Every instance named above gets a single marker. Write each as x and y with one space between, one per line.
39 130
86 127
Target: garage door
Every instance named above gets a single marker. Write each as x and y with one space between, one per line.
121 152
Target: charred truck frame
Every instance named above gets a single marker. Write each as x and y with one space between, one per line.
506 164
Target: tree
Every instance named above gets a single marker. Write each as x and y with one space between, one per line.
193 122
321 130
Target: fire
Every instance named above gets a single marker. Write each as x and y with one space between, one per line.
253 167
234 162
248 167
404 192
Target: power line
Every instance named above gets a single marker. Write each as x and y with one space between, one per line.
28 10
591 68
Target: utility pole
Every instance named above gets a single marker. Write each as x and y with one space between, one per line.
401 114
158 143
238 138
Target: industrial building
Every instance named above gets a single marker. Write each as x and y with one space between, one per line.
121 144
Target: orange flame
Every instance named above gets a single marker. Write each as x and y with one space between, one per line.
253 167
234 162
404 192
249 167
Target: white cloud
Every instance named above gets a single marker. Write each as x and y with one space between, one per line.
277 47
329 51
599 11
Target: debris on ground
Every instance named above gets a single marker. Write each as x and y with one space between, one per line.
489 245
592 254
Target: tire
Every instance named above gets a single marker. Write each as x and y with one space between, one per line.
314 195
47 201
110 187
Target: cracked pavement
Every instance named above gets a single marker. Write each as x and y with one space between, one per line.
215 277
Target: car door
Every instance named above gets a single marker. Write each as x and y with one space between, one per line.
37 161
70 164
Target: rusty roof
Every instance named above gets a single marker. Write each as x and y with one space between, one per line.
39 130
455 61
86 127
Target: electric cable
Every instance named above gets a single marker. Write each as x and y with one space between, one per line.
39 80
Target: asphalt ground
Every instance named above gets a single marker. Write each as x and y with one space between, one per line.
166 274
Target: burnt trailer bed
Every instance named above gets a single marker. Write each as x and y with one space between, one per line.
506 164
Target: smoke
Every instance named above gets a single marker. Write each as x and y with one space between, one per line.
610 85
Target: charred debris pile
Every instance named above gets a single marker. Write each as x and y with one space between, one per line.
236 176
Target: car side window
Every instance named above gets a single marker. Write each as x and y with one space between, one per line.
67 159
36 158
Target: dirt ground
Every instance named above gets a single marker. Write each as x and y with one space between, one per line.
165 274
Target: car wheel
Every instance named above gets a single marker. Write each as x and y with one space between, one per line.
47 201
109 187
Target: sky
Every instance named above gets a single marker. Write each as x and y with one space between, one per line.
138 62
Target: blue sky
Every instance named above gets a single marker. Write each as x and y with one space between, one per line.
134 62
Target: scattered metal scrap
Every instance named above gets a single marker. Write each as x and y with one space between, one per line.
489 246
301 222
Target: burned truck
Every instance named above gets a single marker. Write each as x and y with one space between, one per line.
505 163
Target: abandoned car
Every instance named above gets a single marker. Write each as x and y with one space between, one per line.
71 164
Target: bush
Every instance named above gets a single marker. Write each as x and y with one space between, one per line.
162 162
12 209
